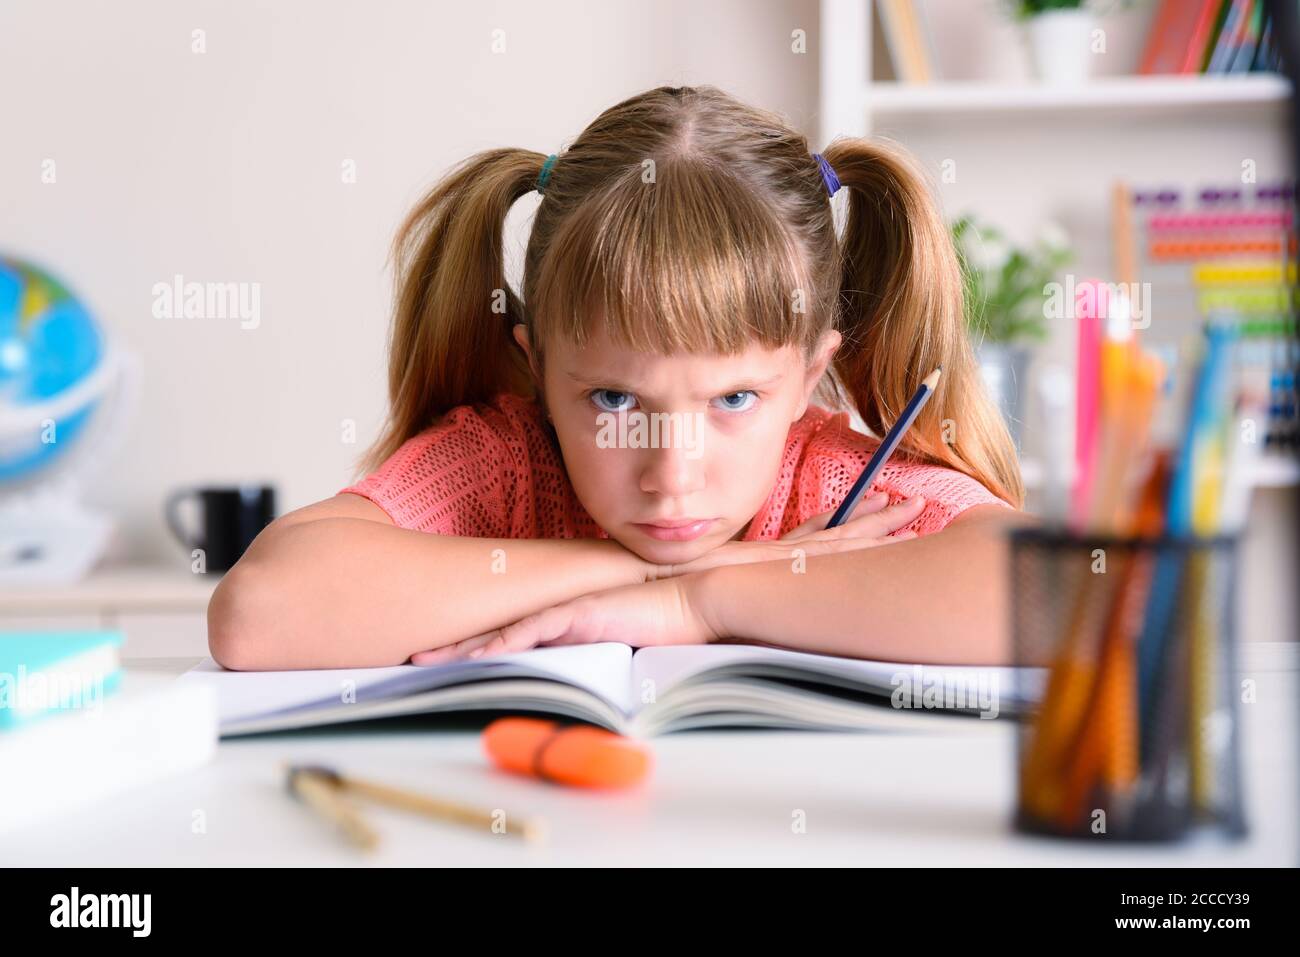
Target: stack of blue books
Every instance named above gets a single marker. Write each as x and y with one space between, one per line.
75 730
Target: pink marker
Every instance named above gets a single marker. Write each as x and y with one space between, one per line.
1091 303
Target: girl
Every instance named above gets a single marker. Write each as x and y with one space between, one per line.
683 267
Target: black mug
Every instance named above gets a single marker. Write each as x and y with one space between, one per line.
230 518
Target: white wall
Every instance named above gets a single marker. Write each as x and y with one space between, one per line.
226 166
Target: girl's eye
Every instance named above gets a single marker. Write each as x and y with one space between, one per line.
611 400
744 401
600 396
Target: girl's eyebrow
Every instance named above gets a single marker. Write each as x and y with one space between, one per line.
621 387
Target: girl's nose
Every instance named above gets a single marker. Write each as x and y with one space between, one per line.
673 472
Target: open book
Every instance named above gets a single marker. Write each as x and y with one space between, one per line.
653 691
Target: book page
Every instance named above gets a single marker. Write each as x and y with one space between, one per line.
656 670
601 669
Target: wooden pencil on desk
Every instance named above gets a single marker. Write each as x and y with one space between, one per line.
438 809
323 797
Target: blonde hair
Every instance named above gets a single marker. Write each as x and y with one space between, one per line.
684 219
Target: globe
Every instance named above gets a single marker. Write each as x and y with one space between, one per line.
52 359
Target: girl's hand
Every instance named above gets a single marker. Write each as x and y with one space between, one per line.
870 525
667 612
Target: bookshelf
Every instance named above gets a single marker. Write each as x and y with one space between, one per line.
853 108
1025 153
1270 473
1121 96
1074 141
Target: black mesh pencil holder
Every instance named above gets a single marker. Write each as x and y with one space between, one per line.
1134 729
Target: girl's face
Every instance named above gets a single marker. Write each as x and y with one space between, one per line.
672 456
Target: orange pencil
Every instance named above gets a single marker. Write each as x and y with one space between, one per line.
1108 737
1107 751
1063 709
1070 747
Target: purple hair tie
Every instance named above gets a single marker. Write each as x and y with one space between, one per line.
828 175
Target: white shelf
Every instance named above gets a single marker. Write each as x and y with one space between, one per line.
1276 471
160 610
117 589
1127 94
1271 471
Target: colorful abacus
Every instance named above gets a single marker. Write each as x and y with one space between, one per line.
1235 248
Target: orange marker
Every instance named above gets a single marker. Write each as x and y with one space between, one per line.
575 754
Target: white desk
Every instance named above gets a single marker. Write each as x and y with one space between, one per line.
714 798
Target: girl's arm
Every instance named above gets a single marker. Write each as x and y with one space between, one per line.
337 585
939 599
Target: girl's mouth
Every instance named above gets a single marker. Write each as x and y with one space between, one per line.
685 530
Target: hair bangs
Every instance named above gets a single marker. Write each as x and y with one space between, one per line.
690 262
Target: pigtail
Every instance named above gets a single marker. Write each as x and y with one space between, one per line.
451 342
902 314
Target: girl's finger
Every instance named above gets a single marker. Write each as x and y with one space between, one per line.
436 656
512 638
877 524
528 632
456 651
829 546
867 505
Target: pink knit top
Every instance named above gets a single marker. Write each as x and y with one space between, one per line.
494 470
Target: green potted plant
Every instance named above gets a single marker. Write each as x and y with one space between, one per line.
1006 290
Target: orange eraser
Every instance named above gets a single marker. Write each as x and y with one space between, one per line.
576 754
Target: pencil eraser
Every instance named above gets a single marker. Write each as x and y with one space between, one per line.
575 754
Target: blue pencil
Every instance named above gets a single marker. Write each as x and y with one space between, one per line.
1208 399
886 449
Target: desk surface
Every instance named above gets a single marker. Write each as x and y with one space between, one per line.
722 798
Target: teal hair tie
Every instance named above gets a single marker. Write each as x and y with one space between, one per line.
545 174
